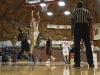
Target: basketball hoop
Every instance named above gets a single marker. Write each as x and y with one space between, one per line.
44 8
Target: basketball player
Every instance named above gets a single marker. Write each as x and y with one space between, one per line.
72 50
24 43
34 32
66 47
49 49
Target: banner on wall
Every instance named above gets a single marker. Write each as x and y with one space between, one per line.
54 42
96 33
58 26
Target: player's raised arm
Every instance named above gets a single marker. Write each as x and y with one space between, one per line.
32 8
39 19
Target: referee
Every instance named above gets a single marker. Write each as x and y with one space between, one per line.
81 24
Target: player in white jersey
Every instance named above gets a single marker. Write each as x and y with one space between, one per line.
34 32
66 47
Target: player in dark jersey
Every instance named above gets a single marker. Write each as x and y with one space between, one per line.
72 50
49 49
24 42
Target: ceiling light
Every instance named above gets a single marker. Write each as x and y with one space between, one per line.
42 4
61 3
49 13
66 12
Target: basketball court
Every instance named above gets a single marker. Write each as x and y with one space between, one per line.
40 68
24 67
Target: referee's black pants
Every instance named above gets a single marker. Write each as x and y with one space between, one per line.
81 31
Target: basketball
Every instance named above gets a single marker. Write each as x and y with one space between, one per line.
32 7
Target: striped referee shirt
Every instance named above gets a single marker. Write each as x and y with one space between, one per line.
81 15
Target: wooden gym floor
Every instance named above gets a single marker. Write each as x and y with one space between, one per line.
40 68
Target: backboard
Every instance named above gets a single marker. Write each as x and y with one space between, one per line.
37 2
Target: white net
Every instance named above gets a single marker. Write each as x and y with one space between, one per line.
44 8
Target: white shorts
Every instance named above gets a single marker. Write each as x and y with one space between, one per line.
34 35
65 52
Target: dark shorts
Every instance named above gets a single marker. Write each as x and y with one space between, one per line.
25 47
48 51
72 50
